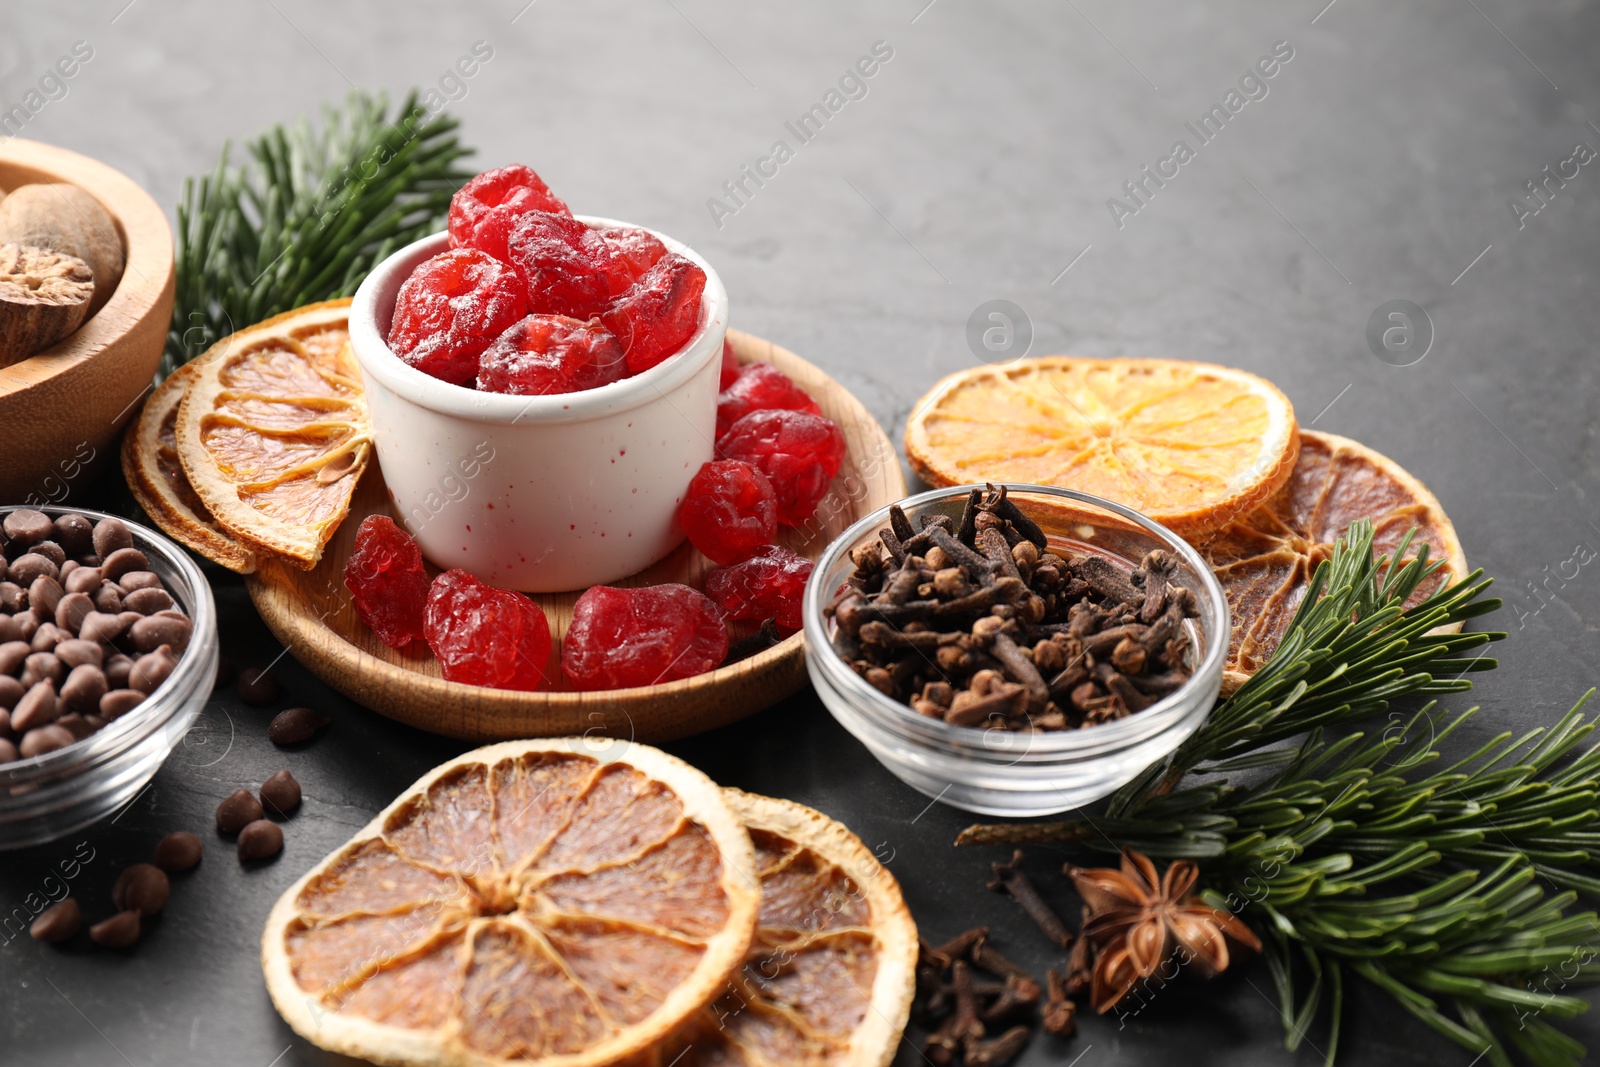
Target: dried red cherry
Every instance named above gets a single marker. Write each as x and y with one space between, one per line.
551 354
636 252
387 581
659 313
486 636
565 266
798 452
761 387
621 638
485 210
731 367
451 309
729 511
768 585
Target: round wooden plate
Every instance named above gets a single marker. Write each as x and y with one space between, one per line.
311 613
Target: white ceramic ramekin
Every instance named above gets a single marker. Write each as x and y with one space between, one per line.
539 493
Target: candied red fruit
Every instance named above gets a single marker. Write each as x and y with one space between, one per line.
451 309
731 367
486 636
659 313
761 387
729 511
485 210
387 581
798 452
636 252
621 638
551 354
765 586
565 266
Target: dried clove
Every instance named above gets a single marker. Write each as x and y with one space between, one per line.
1014 997
1011 879
996 1052
1059 1016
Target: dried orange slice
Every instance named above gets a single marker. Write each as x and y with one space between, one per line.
273 431
831 974
1266 559
1190 445
564 902
155 476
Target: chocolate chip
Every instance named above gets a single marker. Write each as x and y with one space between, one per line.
151 669
295 725
75 652
109 536
118 667
152 631
44 739
99 626
12 653
147 601
36 708
136 580
57 923
178 852
52 552
8 751
83 580
122 561
26 526
119 931
142 888
74 533
118 702
46 636
31 565
107 598
76 725
237 810
43 596
9 629
44 667
259 840
71 610
280 794
11 691
257 687
12 597
84 687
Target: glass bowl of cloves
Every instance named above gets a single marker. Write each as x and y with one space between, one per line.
1015 650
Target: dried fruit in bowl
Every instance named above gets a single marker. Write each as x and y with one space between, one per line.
761 387
731 367
636 252
545 354
768 585
729 511
798 451
486 209
388 582
451 309
658 315
621 638
486 636
565 266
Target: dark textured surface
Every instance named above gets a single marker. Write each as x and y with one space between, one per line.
1377 167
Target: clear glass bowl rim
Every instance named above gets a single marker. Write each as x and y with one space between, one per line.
1089 742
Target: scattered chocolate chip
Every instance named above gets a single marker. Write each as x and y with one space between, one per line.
294 725
259 840
257 687
237 810
178 852
58 922
280 794
142 888
119 931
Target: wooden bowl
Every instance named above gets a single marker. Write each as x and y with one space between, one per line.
311 613
64 407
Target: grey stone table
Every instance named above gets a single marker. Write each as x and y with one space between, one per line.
988 156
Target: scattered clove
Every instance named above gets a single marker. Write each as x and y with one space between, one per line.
1011 879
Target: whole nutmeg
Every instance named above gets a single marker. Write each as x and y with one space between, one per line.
57 923
294 725
259 840
119 931
238 810
143 888
280 794
178 851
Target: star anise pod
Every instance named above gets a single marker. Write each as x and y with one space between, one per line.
1137 919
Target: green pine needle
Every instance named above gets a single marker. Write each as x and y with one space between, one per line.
305 219
1452 888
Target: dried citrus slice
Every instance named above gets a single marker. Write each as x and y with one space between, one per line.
561 902
155 476
1190 445
1266 559
832 971
273 432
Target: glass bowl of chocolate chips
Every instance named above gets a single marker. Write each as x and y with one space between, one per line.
108 651
1015 650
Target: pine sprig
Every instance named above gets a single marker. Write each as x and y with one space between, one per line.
309 214
1356 855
